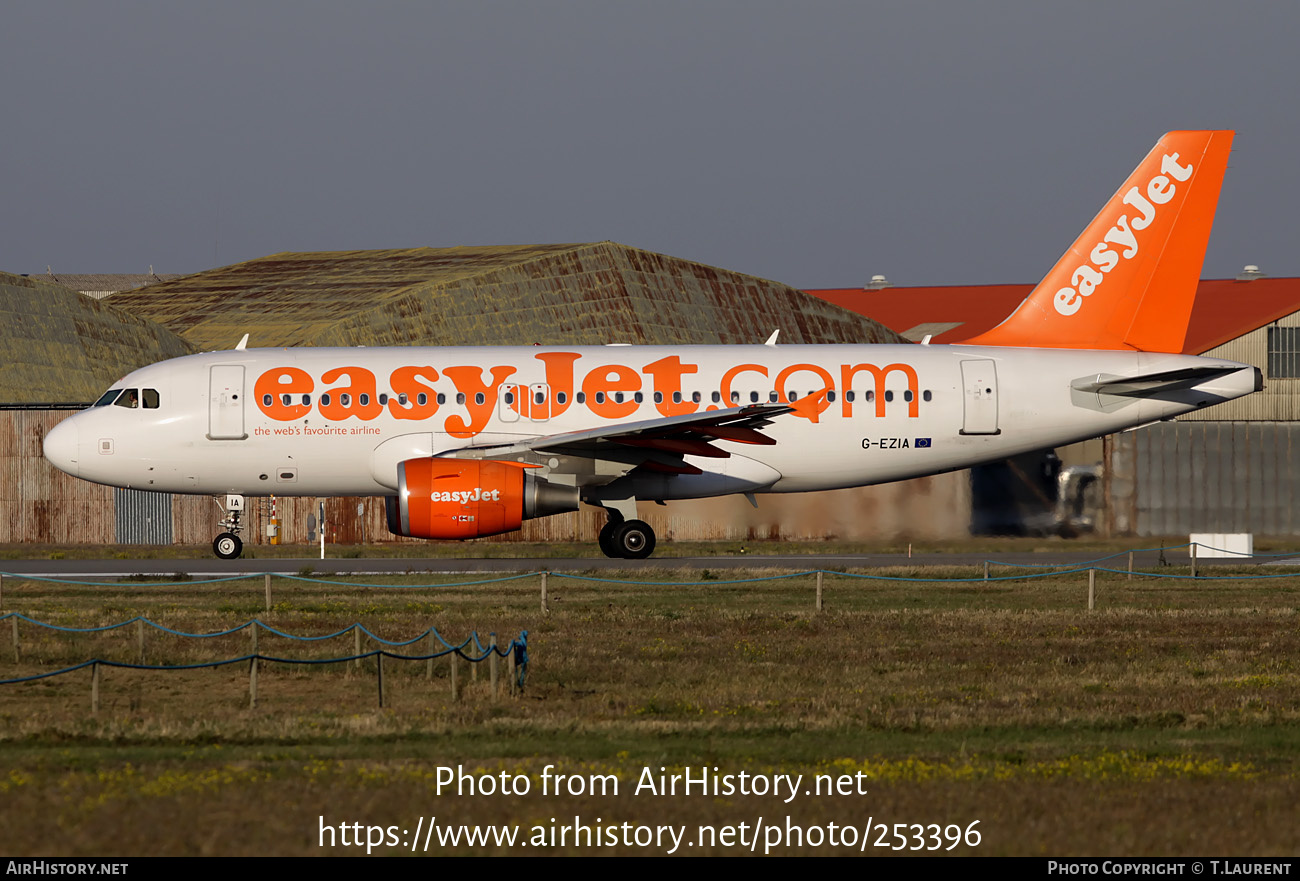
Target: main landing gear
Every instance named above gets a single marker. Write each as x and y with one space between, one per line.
629 539
228 545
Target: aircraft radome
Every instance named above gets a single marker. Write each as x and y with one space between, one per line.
468 442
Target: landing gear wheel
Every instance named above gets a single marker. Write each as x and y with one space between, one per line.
633 540
227 546
606 539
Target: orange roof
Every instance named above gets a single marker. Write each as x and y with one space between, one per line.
1224 310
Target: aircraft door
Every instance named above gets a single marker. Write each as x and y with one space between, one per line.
226 402
980 383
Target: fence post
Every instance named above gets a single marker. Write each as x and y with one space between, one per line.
379 676
455 664
492 663
252 629
546 609
139 638
356 647
428 671
268 591
819 590
14 620
94 687
2 593
252 683
986 570
1193 559
1130 565
1092 587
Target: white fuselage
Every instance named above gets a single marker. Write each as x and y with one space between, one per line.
322 422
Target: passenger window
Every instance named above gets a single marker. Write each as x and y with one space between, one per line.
287 399
421 399
345 400
638 397
267 400
735 397
460 397
363 399
478 398
325 399
717 397
510 398
442 399
618 397
771 397
383 398
561 397
753 397
539 398
907 395
401 399
926 396
581 397
889 396
695 396
600 397
848 396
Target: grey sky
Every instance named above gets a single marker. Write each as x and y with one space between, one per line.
813 143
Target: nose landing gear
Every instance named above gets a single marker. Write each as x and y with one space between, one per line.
228 545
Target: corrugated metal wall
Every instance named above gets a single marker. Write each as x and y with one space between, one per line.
1175 478
142 518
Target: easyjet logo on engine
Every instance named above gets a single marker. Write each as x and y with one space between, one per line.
1089 276
465 496
609 391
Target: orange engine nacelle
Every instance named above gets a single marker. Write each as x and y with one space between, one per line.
469 498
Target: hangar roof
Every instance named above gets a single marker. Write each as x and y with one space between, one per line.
1224 308
61 347
569 294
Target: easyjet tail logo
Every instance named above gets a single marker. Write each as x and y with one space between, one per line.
1121 240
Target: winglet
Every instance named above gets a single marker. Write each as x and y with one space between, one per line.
243 344
1129 280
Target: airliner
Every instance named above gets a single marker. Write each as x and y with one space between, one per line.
467 442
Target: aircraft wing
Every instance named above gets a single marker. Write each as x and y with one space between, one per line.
660 444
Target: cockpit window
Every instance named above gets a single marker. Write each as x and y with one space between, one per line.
108 397
129 399
150 398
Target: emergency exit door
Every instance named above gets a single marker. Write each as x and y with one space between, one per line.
980 398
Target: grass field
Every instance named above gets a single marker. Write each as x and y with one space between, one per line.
1162 722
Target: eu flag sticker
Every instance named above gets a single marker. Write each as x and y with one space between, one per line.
921 442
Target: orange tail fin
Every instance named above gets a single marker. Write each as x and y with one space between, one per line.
1129 280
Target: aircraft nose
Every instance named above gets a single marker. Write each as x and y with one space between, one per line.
61 445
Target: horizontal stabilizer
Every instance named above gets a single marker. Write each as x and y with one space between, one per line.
1152 384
